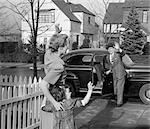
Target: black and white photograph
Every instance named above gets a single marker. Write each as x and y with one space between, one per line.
74 64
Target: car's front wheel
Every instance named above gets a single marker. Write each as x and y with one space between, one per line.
144 94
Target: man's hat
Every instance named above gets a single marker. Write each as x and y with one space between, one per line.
109 45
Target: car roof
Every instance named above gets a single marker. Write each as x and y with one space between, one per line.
89 50
96 51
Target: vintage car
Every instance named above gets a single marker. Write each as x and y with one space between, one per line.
79 65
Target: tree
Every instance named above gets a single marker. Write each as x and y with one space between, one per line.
86 43
74 45
99 8
133 37
5 25
31 7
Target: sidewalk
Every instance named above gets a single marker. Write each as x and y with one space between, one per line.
103 114
14 65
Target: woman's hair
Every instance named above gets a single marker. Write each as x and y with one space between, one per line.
57 40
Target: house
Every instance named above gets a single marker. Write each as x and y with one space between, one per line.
10 36
9 42
117 14
76 21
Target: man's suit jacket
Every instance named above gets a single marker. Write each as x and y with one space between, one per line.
117 66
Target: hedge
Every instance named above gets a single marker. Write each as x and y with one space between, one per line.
16 57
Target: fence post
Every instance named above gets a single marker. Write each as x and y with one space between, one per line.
14 107
29 102
3 109
15 94
0 88
9 107
24 106
19 103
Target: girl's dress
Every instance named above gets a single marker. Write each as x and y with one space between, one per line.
63 119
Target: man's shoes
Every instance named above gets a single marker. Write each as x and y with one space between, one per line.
114 97
119 105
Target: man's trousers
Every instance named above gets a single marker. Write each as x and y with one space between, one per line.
119 89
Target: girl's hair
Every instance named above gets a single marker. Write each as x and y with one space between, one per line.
58 91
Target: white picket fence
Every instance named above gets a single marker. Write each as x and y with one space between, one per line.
20 100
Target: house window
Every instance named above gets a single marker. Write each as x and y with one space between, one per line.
113 28
145 16
47 17
44 18
45 40
53 16
89 20
108 28
105 28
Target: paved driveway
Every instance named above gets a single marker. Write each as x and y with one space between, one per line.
103 114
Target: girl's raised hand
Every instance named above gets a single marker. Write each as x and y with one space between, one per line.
90 86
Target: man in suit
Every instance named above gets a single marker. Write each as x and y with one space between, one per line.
113 63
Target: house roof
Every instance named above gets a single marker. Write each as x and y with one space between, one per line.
115 10
79 8
137 3
69 8
114 13
61 4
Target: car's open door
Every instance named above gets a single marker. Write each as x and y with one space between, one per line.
107 87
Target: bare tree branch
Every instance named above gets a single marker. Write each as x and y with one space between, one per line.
17 11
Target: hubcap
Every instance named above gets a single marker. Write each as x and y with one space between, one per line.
148 93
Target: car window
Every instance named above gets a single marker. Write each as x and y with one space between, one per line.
98 58
79 60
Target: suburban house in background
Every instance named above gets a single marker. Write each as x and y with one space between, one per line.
117 14
9 42
76 21
10 35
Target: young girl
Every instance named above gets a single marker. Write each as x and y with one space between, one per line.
64 119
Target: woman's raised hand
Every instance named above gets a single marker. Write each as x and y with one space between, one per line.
117 46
